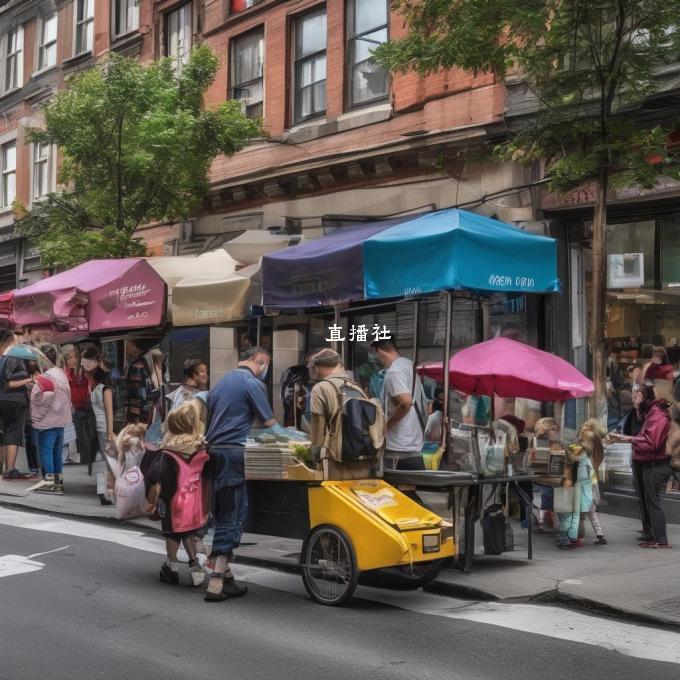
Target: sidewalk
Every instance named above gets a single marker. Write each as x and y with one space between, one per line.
619 577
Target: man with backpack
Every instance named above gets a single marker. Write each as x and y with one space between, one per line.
348 428
405 407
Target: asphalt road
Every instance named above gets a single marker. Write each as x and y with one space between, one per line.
94 608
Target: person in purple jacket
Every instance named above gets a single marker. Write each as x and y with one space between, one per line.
650 455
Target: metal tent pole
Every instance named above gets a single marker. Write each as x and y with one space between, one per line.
416 324
447 357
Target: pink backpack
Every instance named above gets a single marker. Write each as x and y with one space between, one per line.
189 505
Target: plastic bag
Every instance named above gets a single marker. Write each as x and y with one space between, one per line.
563 499
493 530
130 494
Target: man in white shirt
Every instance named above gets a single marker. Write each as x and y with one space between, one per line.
400 400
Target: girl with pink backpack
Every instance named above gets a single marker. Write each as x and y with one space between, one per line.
179 489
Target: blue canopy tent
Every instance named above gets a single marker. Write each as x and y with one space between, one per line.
445 250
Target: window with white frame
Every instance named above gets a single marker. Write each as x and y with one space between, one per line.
310 65
366 29
47 47
41 170
247 75
125 16
84 26
178 31
13 49
8 162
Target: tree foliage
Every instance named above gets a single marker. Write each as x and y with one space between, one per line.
587 63
135 144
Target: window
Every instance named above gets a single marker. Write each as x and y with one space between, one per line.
84 25
47 49
125 16
310 65
14 61
41 170
368 82
9 174
624 242
247 72
178 32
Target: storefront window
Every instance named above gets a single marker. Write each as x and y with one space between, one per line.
513 316
624 243
182 344
670 252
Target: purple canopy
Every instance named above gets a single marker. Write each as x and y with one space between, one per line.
322 272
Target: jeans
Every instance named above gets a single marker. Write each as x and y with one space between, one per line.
50 445
230 507
655 478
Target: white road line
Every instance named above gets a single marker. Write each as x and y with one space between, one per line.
625 638
48 552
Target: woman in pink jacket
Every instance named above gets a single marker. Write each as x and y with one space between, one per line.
50 413
649 454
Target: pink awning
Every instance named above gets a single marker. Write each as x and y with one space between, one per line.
6 306
99 295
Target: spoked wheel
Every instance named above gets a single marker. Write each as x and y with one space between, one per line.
329 569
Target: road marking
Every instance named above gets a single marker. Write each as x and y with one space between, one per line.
625 638
11 565
48 552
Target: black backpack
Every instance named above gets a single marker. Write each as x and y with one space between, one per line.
356 432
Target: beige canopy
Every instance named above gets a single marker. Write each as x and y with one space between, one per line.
207 289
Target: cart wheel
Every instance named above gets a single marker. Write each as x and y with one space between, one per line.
403 578
329 569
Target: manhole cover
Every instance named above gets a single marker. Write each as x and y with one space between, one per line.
669 607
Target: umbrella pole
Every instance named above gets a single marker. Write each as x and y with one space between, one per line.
447 357
337 347
416 323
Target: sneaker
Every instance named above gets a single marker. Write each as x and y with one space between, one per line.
49 487
59 488
645 538
663 545
167 575
577 543
649 545
600 540
15 475
197 573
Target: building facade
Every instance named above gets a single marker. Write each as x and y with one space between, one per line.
342 140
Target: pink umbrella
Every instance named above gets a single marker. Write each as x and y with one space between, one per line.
512 369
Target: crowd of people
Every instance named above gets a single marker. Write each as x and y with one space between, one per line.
183 450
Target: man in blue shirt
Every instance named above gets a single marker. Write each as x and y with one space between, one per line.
238 399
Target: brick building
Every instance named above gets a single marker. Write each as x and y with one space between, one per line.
341 137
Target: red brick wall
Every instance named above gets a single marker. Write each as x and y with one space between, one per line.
465 100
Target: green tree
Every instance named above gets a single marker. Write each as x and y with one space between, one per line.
588 66
136 144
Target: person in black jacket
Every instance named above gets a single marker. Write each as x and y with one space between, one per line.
15 377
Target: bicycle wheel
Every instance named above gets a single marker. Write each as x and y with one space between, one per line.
328 563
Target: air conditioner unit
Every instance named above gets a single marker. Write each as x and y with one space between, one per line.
626 270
